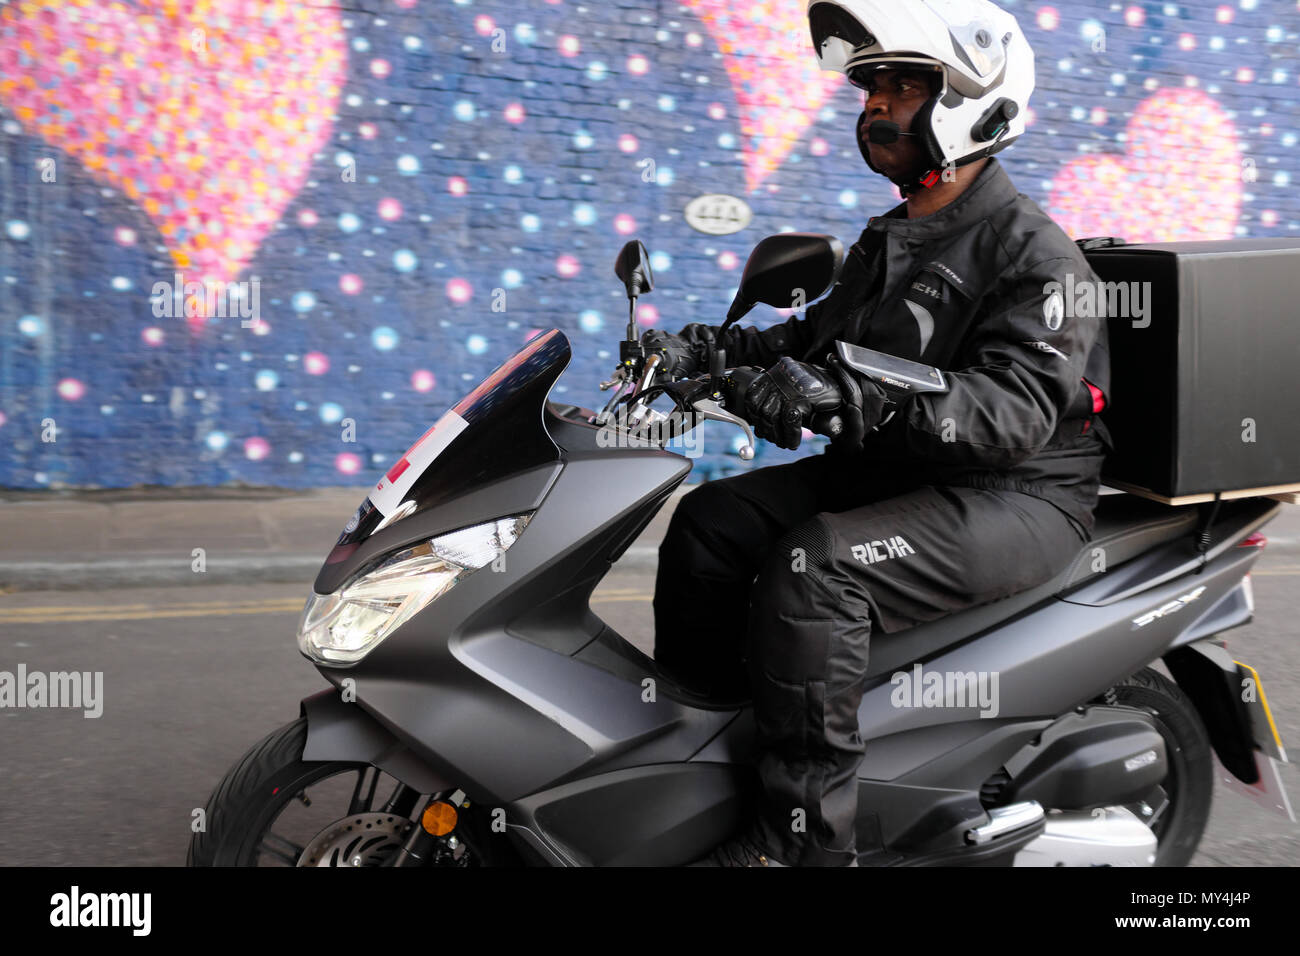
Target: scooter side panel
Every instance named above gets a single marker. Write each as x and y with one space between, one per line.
507 716
1044 663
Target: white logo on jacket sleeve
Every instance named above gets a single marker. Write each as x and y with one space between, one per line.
1053 311
883 550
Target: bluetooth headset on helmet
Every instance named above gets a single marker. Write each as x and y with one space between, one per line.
986 70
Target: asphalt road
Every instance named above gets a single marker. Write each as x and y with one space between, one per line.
193 676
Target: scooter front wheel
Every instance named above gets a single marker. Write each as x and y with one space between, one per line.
275 809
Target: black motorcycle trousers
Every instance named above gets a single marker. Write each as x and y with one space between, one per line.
770 583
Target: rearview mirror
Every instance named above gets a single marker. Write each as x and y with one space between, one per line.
633 267
785 270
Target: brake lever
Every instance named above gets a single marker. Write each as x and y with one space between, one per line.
708 408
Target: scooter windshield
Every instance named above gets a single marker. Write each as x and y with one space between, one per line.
493 432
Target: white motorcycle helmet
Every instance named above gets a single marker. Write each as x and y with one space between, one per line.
986 65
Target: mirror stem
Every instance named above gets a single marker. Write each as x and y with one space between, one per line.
632 334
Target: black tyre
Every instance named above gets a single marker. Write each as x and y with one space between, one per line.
1177 811
247 819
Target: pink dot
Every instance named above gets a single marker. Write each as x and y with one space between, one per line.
1265 129
367 130
569 45
3 418
71 389
1223 14
459 291
422 380
484 25
515 113
717 111
1098 116
1030 116
567 266
390 209
152 336
647 314
457 186
627 142
1048 18
624 224
124 236
315 363
380 68
532 334
255 449
307 217
405 4
347 463
637 64
1245 75
1186 41
259 326
818 147
1135 16
1268 217
728 261
350 283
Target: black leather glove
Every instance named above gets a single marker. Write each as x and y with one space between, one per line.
787 395
682 358
864 403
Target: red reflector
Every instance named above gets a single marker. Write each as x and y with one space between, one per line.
1255 540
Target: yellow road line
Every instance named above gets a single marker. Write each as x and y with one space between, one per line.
58 614
55 615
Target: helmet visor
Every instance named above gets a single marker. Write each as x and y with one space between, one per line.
860 69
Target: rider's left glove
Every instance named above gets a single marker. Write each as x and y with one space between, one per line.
787 395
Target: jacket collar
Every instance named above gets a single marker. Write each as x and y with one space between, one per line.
992 189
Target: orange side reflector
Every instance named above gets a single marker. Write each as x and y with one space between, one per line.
439 818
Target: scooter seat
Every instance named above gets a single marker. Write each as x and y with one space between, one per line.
1126 526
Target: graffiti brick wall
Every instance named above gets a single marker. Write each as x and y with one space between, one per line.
270 242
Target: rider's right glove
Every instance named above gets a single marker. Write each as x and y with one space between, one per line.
686 354
681 358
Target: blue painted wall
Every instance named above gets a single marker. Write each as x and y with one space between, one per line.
427 167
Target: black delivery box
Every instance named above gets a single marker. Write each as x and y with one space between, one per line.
1205 366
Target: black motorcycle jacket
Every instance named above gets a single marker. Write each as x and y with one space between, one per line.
979 290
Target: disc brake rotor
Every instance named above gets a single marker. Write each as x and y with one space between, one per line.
365 839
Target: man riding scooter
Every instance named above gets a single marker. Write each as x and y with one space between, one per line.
950 500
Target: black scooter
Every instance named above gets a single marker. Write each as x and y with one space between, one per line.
481 714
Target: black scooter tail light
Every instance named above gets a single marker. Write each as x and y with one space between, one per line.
1255 540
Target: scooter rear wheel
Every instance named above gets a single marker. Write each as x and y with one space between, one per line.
1179 808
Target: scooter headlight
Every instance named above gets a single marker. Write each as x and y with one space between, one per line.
343 627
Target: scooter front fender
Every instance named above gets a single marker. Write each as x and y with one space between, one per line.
341 731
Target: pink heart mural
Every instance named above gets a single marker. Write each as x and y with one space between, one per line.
1181 178
768 55
205 112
